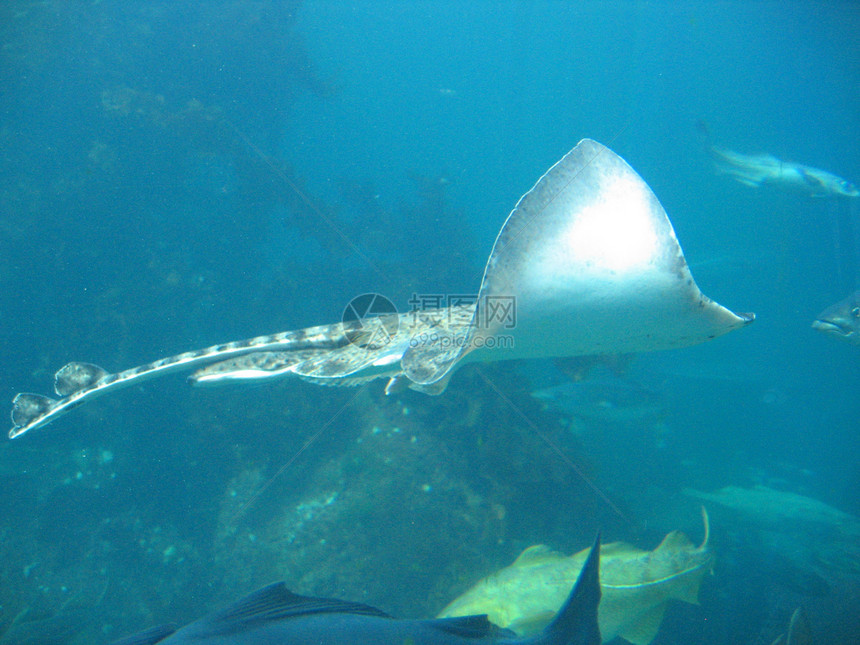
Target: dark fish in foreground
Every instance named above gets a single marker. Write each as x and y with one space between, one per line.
275 615
841 320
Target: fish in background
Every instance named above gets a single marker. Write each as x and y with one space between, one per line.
814 537
606 399
275 615
841 320
779 508
636 587
765 169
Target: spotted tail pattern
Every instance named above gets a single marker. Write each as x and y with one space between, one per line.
77 383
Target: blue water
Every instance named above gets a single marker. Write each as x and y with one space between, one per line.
179 174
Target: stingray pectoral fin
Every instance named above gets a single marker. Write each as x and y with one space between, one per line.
592 263
586 263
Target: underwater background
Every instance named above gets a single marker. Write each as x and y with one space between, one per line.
179 174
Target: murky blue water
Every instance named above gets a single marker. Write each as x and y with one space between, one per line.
178 174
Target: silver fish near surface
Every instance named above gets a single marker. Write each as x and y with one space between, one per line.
587 263
841 320
758 170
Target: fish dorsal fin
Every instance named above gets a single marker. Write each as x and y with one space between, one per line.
586 263
151 636
576 620
276 602
77 376
26 407
537 554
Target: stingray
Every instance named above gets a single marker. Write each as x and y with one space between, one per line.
587 263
